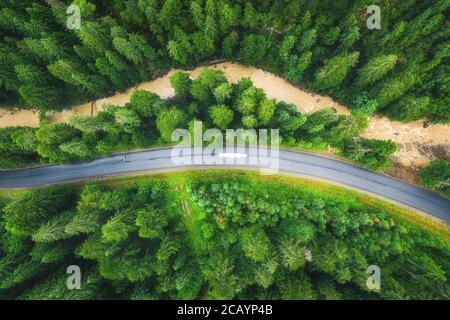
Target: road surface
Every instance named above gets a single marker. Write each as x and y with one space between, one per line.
305 164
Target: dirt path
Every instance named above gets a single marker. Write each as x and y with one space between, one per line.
275 87
417 145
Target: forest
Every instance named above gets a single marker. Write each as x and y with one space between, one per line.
147 120
220 236
400 70
236 237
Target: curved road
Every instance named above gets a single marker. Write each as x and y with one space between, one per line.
292 162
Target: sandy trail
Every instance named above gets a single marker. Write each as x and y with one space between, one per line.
417 145
18 117
275 87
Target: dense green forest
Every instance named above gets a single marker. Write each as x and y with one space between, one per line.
222 236
401 70
149 120
216 237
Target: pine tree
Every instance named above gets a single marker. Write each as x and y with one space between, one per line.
224 283
229 45
30 74
86 219
25 138
180 48
307 40
253 49
296 287
95 36
375 69
286 47
171 14
74 74
51 252
118 226
350 33
181 83
395 87
53 230
197 14
255 243
27 213
410 108
151 223
124 47
334 71
250 17
228 16
291 253
78 149
108 70
265 273
39 97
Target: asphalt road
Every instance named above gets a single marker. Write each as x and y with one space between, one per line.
313 166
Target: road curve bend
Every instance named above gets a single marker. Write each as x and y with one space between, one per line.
299 163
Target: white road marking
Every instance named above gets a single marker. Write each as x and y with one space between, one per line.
233 155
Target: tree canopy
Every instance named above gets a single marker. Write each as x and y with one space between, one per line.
326 46
241 237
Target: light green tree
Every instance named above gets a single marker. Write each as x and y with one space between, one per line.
255 243
334 71
266 110
375 69
291 253
223 92
168 120
181 83
221 115
151 223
